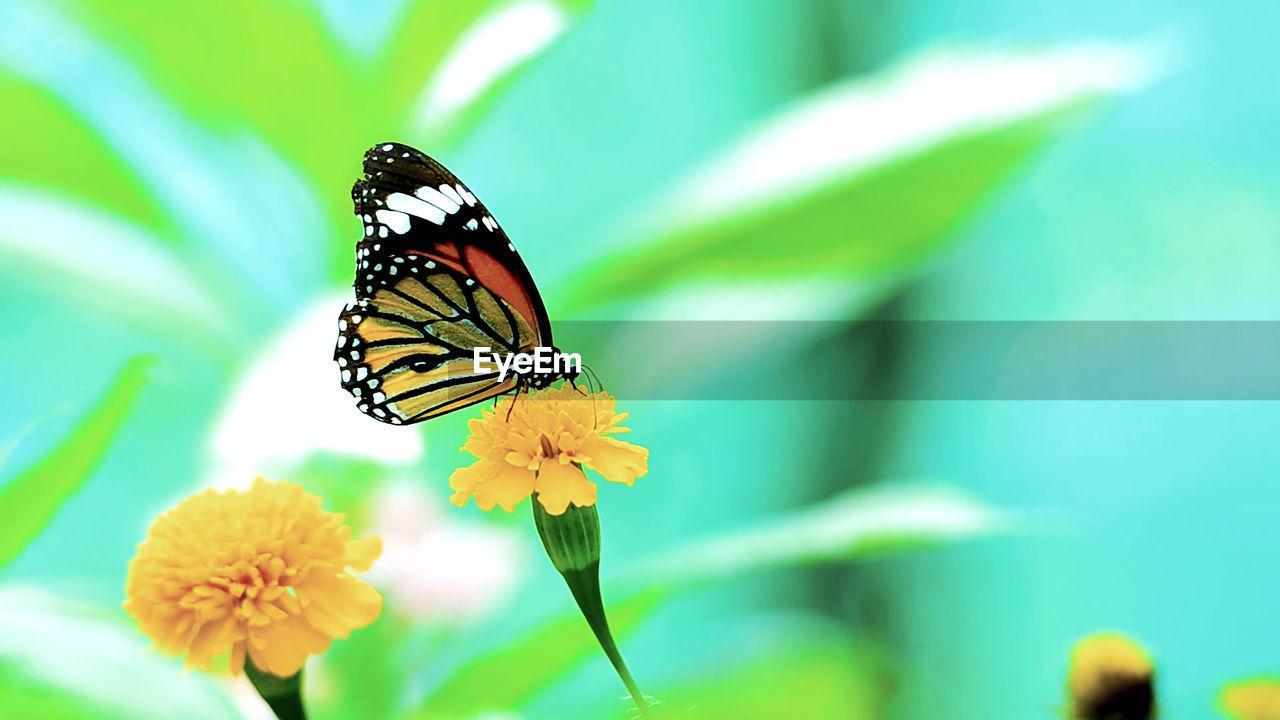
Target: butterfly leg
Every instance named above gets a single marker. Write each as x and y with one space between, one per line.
515 397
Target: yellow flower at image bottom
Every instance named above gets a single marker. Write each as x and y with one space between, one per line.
541 442
1254 699
1111 678
264 571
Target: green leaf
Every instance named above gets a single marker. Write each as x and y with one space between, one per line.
831 679
98 258
29 501
853 525
862 183
22 698
272 65
83 163
484 60
520 670
63 659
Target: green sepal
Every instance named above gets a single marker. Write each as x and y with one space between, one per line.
283 694
572 539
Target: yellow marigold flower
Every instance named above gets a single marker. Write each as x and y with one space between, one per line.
1110 679
263 571
541 444
1256 699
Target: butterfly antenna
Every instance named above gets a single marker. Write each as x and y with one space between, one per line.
593 381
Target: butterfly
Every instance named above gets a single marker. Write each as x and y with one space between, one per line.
436 278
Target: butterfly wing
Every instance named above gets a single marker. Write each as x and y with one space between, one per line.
436 277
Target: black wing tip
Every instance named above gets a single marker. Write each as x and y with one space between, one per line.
376 157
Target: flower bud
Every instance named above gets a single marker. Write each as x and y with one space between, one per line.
572 541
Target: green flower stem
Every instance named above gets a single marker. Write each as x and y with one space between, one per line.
284 695
572 541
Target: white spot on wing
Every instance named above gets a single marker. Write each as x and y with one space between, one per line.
453 194
437 198
414 206
397 221
466 195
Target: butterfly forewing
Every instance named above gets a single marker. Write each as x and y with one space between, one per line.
411 204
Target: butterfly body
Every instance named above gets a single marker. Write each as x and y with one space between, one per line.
436 279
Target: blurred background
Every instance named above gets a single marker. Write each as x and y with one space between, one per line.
178 238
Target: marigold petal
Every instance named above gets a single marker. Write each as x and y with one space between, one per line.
560 484
465 480
362 552
508 486
281 648
213 639
339 603
236 661
616 460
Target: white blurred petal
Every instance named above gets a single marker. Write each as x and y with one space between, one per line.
289 405
435 566
866 122
249 704
494 46
96 656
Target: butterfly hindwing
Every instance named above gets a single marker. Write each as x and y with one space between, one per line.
406 349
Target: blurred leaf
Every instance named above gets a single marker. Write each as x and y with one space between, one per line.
82 164
365 674
853 525
62 659
419 41
104 260
446 64
833 679
22 698
861 182
484 61
10 444
238 61
520 670
29 501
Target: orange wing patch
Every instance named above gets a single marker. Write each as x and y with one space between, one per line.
498 279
